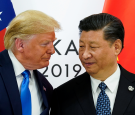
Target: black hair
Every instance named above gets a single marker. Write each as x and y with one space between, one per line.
112 26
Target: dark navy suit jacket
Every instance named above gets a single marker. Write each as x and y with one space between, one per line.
10 103
75 96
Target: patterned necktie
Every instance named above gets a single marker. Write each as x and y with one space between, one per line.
103 102
25 94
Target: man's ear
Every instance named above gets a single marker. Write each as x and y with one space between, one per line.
19 44
118 46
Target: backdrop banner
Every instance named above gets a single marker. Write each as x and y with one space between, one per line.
124 10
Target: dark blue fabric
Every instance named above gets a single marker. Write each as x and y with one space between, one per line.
7 13
103 102
25 94
10 101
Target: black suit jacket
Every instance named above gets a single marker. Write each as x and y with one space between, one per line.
10 103
75 96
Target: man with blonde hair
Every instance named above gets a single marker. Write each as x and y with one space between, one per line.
28 46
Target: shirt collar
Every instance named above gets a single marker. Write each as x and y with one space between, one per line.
18 67
111 81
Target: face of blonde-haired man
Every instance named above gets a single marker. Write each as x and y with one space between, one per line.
30 36
36 52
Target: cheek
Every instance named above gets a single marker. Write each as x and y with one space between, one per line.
100 57
104 59
43 53
80 55
39 51
33 54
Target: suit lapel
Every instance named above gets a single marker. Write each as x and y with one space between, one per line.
84 94
123 96
43 93
9 79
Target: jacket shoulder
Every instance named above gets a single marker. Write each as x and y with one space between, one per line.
81 78
128 75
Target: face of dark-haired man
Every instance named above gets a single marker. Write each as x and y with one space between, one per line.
97 55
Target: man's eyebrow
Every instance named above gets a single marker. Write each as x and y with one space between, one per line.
93 42
49 40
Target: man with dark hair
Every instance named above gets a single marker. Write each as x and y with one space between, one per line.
106 88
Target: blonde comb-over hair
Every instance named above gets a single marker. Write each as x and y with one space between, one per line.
29 23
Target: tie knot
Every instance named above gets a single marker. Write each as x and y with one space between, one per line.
26 74
102 86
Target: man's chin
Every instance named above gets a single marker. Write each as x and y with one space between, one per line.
43 65
46 64
91 72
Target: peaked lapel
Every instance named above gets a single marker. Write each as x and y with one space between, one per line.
84 94
43 93
124 96
9 79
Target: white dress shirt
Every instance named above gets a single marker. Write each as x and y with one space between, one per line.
36 97
111 90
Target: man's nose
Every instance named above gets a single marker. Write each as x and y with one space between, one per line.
51 49
87 54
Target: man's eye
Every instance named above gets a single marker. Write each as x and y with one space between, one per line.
44 44
81 46
93 47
